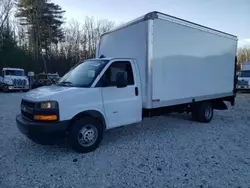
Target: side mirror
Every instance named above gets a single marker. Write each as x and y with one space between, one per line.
121 80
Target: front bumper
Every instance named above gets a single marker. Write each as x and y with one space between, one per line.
240 87
18 87
42 132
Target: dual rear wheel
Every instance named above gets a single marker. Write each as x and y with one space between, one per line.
203 112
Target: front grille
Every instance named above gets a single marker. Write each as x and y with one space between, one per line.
19 82
27 115
28 104
27 109
242 83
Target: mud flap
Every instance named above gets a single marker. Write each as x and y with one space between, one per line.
219 105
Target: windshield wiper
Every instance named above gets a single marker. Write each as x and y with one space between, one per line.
69 84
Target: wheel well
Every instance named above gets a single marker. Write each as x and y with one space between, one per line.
90 113
219 105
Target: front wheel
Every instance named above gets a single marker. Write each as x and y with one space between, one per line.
85 134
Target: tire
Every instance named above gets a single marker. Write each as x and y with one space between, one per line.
204 112
85 134
194 113
5 89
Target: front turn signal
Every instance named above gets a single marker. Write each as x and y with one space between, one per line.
45 117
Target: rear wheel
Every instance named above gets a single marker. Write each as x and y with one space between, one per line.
85 134
203 112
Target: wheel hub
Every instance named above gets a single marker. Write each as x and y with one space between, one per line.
87 135
208 112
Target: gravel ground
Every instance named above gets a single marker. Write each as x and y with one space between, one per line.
166 151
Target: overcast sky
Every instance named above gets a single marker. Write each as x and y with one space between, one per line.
231 16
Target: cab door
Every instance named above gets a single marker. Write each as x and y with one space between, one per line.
122 105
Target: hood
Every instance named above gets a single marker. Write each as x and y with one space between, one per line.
46 93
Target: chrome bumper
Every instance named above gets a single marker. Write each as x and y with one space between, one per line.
242 87
18 87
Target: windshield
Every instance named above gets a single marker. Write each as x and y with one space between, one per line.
244 74
14 72
84 74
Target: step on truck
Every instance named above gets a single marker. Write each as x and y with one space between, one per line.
153 65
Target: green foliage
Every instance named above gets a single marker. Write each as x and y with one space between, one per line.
39 43
44 20
12 55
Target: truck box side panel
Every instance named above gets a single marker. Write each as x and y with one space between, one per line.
189 63
128 42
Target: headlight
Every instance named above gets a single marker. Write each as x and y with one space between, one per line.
47 105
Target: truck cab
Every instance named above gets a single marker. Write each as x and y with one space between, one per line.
243 82
95 95
14 79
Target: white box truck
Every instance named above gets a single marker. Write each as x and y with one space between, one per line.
14 79
150 66
244 77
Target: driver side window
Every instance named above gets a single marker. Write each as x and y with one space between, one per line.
109 77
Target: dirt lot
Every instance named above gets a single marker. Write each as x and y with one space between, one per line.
167 151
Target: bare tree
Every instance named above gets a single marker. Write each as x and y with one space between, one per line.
92 32
5 9
244 54
81 38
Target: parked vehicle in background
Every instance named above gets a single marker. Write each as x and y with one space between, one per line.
1 83
14 79
154 65
243 82
54 77
245 66
45 79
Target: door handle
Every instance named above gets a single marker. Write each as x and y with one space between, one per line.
136 91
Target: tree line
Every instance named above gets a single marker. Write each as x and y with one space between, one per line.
34 36
243 55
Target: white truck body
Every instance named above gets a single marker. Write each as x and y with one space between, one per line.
178 60
155 64
244 77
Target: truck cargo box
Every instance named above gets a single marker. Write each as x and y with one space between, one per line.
179 61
